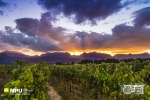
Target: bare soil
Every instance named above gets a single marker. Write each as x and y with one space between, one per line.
53 95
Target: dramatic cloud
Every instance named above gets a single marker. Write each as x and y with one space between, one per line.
130 37
86 40
57 35
82 10
136 37
123 38
40 27
41 35
2 4
27 25
24 41
32 26
142 17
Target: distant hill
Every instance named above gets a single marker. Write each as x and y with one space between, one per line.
15 54
134 56
94 55
7 59
11 56
54 57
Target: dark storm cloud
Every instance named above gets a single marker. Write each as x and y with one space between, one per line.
27 25
2 4
83 40
30 29
44 28
83 10
138 35
8 28
142 17
31 42
41 27
129 36
123 36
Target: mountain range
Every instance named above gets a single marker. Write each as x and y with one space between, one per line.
11 56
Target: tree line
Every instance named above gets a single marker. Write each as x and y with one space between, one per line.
109 60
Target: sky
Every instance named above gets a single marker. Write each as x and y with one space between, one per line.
114 27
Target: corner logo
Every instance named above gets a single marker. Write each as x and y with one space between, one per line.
136 89
21 91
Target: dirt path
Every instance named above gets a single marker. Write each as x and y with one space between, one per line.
53 94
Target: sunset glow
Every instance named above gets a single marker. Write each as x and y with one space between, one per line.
34 27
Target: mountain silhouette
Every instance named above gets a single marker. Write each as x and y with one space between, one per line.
15 54
134 56
64 57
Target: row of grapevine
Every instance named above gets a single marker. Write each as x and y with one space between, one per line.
105 79
4 76
28 76
93 80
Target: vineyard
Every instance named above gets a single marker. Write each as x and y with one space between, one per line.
90 81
